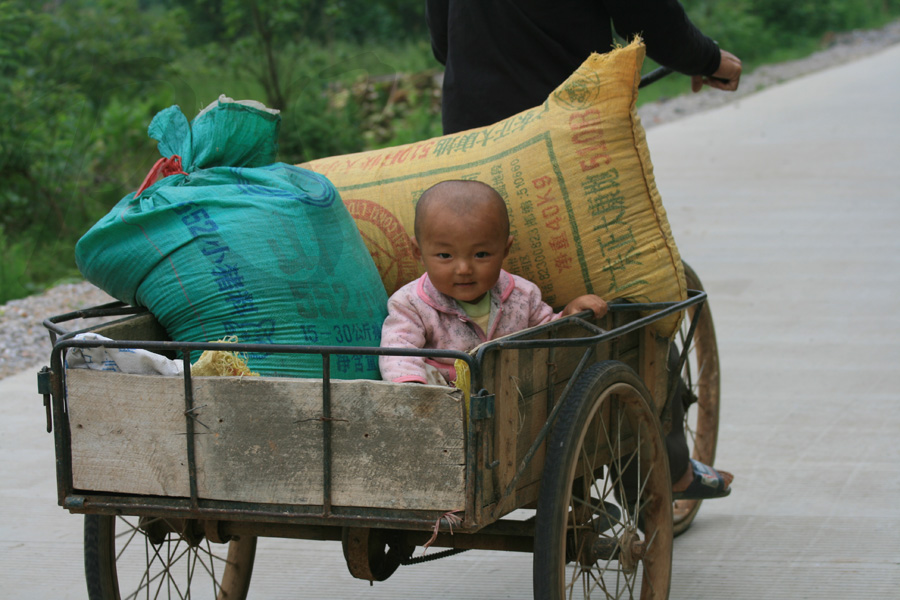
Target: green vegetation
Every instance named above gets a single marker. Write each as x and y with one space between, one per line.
770 31
81 79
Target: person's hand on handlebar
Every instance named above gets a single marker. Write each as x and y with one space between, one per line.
725 78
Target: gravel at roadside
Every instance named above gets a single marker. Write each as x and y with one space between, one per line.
25 344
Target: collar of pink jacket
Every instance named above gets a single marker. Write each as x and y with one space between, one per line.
443 303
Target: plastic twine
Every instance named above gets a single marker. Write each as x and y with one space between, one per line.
163 168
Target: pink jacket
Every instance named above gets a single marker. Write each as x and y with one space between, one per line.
419 316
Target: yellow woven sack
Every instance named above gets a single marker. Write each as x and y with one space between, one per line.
575 173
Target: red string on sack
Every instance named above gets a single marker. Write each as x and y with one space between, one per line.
162 169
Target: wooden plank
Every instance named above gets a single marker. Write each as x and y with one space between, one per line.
525 378
128 433
506 422
142 327
394 445
404 446
533 389
522 380
486 492
653 367
260 440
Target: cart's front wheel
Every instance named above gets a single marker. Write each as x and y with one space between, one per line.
588 543
131 557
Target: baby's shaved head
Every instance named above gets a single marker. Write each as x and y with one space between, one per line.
462 197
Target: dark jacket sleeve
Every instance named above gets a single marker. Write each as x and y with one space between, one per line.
671 38
436 16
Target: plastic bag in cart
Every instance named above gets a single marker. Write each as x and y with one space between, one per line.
229 243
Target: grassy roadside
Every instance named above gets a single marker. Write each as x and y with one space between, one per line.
361 98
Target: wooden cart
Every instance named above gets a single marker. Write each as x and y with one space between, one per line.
556 449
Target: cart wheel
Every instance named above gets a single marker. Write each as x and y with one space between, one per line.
132 557
701 374
586 543
374 554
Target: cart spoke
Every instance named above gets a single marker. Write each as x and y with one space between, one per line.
171 565
593 577
131 532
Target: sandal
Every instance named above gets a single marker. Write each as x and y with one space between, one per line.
706 484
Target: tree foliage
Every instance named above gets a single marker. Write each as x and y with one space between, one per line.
320 21
759 29
296 51
80 81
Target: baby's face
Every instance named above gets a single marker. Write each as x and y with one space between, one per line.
462 254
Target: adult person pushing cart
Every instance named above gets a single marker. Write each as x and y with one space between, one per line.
506 56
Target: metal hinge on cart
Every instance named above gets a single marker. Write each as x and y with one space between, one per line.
481 406
45 388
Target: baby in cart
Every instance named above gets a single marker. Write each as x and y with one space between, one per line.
465 297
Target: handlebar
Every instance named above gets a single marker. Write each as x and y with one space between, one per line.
660 72
654 76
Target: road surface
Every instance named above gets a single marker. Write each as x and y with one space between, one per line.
787 203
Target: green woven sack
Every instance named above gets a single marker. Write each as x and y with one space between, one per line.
227 243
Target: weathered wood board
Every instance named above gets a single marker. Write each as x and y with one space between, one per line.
137 327
528 383
261 440
128 433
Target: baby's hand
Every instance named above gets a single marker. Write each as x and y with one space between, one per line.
586 302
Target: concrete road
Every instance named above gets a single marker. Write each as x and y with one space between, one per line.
788 206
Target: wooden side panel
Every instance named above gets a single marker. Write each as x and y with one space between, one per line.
261 440
506 420
543 381
394 446
402 446
528 383
653 370
521 384
139 327
127 433
532 387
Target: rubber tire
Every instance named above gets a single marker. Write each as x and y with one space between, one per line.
701 374
614 388
101 562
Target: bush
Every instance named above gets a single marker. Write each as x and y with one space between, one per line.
756 30
76 80
80 81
